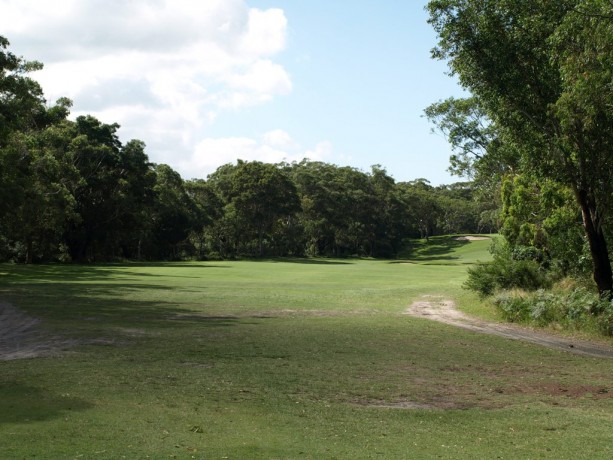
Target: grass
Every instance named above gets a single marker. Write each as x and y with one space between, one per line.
287 359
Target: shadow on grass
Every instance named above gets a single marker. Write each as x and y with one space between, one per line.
299 260
21 403
65 300
82 309
84 301
435 249
52 272
198 264
309 261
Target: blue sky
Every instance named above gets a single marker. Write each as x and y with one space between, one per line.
206 82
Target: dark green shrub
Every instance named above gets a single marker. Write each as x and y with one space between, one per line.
487 278
509 269
482 279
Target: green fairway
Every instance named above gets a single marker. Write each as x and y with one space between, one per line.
290 359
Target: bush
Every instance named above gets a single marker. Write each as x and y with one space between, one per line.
604 310
487 278
545 308
514 308
509 269
481 279
576 309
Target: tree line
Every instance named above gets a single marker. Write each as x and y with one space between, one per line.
72 191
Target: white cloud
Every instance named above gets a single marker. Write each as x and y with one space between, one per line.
279 138
263 36
321 151
273 147
181 48
163 69
263 77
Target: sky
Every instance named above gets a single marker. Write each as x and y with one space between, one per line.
206 82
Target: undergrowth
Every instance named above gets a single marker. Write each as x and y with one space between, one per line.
576 309
526 290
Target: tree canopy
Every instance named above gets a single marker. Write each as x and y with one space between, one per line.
73 191
540 74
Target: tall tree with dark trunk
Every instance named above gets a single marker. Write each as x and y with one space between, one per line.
541 71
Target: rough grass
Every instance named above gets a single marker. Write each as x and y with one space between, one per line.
287 359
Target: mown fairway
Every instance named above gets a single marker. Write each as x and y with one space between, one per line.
290 359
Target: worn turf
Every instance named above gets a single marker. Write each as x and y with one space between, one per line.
285 359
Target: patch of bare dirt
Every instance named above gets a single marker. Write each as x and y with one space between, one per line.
442 310
472 238
409 405
22 337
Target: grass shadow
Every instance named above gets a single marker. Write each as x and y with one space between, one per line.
77 309
21 403
80 273
311 261
300 260
439 248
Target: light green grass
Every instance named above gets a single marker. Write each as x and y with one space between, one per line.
286 359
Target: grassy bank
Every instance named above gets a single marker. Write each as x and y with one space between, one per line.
287 359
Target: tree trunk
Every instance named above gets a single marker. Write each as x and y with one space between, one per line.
29 251
603 276
261 241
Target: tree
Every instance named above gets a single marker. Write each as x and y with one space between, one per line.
261 194
317 214
112 189
342 208
21 102
21 98
540 221
208 208
465 125
388 215
541 71
41 202
94 151
134 199
34 200
173 213
422 204
460 211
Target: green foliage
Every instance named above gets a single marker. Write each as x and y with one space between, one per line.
510 268
540 73
489 277
575 309
605 319
473 137
514 308
21 98
544 307
71 190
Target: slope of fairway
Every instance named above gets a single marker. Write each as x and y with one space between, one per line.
450 250
284 359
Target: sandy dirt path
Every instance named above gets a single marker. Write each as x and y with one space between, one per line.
22 337
439 309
